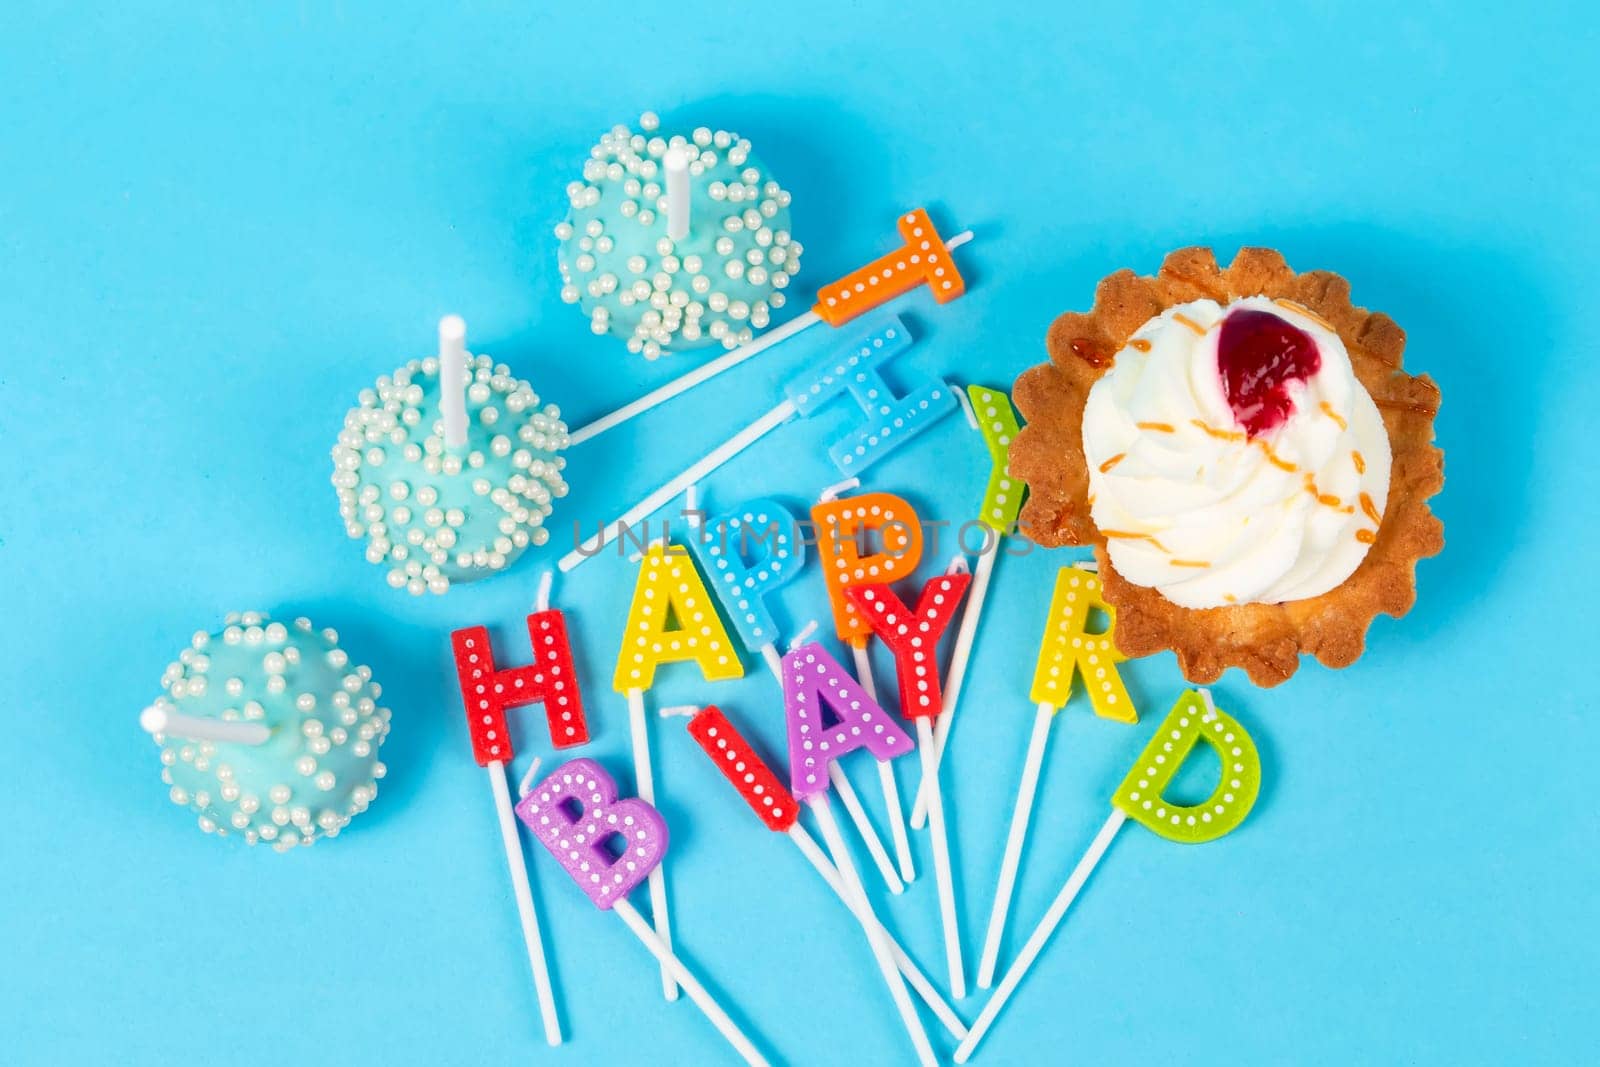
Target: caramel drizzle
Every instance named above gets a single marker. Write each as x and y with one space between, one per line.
1139 344
1235 435
1361 464
1159 427
1326 499
1189 563
1125 535
1370 509
1225 435
1307 312
1327 409
1086 350
1112 462
1179 316
1366 537
1272 458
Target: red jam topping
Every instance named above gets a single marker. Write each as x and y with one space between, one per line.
1259 355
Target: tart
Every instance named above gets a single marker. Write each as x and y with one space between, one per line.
1246 455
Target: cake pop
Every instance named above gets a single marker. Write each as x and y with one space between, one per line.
269 731
448 467
677 242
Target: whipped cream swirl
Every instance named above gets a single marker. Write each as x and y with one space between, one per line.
1193 505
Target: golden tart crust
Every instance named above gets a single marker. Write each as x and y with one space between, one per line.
1266 640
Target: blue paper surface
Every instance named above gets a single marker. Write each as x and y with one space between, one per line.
219 222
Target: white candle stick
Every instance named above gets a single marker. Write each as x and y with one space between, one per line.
710 462
1026 788
676 164
819 861
902 959
726 361
850 881
886 779
869 836
803 634
847 797
644 782
832 492
525 786
453 380
523 891
941 862
159 720
672 965
1041 934
960 655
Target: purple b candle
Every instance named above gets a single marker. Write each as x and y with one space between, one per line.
576 815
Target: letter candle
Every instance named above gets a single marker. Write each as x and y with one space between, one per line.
842 525
913 636
853 368
1067 648
487 691
1192 720
578 843
741 586
989 412
669 588
758 784
855 294
813 680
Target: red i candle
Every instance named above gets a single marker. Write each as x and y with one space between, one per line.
744 769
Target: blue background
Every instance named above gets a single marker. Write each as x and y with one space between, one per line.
219 222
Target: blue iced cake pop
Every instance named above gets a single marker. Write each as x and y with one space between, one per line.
438 507
668 275
269 731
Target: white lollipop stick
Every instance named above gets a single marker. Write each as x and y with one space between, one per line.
886 779
960 655
850 882
453 380
1026 788
908 967
644 781
676 164
683 383
526 911
158 720
710 462
697 992
941 862
726 361
1041 933
848 797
